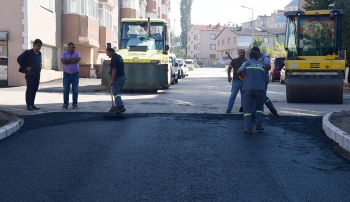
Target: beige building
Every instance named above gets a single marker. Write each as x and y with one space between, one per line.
231 39
90 24
201 41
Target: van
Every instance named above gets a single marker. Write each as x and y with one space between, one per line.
189 64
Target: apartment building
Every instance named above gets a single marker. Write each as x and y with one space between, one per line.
201 41
90 24
231 39
276 19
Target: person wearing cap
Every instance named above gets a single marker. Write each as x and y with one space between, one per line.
253 92
117 79
265 60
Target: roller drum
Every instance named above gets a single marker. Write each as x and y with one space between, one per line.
314 90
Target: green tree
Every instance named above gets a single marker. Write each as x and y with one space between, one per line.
185 20
331 4
258 42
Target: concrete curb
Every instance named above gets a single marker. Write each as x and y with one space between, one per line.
11 128
336 134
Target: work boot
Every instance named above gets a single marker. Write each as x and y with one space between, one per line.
121 108
275 116
259 127
241 109
65 106
228 111
36 108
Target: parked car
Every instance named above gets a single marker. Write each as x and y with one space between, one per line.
175 69
183 68
283 76
200 63
276 66
189 64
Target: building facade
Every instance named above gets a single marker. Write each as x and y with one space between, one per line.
231 39
201 41
89 24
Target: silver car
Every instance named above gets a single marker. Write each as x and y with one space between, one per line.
283 76
183 68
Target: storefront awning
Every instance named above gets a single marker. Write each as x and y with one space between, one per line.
3 36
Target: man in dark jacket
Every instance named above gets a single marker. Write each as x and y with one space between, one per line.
31 61
254 91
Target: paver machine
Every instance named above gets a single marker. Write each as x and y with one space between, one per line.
143 46
315 59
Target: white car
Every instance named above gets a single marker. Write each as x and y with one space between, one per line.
283 76
183 68
189 64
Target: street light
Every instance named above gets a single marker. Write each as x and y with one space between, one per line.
252 20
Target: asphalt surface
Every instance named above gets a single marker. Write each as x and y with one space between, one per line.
171 157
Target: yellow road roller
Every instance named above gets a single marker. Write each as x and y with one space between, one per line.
315 58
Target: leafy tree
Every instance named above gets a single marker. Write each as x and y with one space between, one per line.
185 20
258 42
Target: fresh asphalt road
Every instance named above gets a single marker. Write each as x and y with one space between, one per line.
170 157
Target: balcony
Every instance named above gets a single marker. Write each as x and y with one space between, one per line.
80 29
109 3
106 36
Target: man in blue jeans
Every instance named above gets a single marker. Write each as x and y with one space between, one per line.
117 78
237 83
70 60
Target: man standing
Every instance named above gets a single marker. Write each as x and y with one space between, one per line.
70 60
265 60
31 61
254 91
117 78
237 83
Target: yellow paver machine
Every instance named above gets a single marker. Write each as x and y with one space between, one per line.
315 60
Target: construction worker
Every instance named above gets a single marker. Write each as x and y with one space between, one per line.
253 91
237 83
265 60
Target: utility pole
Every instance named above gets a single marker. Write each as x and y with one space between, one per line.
252 27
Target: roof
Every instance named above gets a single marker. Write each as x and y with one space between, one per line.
293 3
281 18
257 31
209 28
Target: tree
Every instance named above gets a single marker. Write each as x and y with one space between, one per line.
185 20
258 42
331 4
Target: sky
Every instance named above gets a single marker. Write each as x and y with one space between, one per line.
224 11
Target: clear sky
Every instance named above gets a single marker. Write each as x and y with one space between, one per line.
224 11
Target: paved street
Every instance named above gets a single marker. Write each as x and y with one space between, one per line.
205 90
170 157
177 145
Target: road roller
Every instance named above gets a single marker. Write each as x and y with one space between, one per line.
315 57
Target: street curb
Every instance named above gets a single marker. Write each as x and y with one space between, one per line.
11 128
336 134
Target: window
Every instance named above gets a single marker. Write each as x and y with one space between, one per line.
197 47
188 38
188 48
50 57
105 15
197 56
197 37
82 7
212 47
228 41
266 40
212 56
48 4
212 36
222 42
